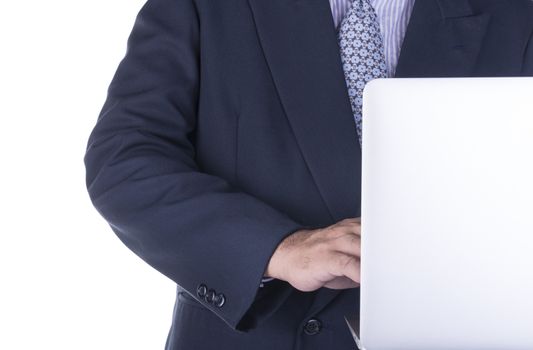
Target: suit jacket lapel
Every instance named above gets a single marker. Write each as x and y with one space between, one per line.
300 45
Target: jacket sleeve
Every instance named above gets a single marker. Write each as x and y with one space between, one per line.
142 176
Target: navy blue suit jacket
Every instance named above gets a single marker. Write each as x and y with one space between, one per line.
228 126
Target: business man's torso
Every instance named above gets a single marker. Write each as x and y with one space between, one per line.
273 119
295 145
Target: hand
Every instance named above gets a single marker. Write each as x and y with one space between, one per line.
329 257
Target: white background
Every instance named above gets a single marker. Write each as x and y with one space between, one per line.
66 281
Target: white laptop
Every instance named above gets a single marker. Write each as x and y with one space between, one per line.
447 215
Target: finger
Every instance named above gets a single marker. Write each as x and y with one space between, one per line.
341 283
341 264
355 228
345 228
349 244
348 222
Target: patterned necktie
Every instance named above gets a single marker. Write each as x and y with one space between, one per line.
362 54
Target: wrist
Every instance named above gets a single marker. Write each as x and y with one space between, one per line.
280 261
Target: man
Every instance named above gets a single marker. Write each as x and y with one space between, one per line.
227 154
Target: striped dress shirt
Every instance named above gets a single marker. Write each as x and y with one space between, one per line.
393 17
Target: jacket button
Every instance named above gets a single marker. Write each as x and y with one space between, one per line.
220 300
210 296
312 327
201 291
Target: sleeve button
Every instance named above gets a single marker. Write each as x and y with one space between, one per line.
220 300
210 296
201 291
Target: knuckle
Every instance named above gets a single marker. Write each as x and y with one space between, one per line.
352 241
355 240
344 261
356 228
